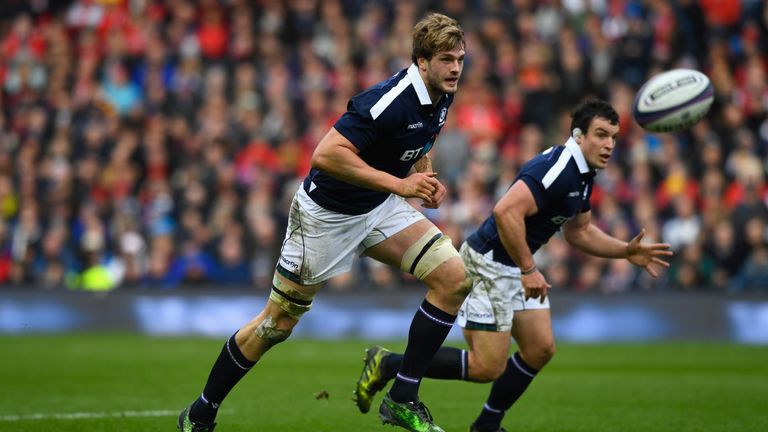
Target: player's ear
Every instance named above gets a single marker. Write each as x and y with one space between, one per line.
422 63
576 133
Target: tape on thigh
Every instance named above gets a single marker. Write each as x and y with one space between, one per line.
292 301
428 252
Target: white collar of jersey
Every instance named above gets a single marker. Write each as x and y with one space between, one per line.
578 156
418 85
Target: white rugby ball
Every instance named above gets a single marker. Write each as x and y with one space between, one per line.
672 101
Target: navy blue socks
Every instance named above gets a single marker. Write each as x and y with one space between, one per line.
228 369
448 363
428 331
504 392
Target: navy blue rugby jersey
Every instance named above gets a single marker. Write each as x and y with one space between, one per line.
393 124
561 183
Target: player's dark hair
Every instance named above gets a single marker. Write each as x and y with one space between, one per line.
582 115
436 33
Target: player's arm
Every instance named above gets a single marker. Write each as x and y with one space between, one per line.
424 164
510 213
336 156
581 233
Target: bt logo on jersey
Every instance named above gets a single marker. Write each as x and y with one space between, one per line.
411 154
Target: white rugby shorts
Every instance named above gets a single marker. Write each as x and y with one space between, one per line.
497 293
321 243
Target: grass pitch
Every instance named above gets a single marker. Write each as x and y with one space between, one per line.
120 382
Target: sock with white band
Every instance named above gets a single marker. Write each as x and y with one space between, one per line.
229 368
504 393
428 331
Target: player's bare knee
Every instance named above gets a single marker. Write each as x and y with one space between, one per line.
465 285
451 283
487 372
549 352
456 280
538 356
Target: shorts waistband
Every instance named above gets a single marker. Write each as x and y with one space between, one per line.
476 246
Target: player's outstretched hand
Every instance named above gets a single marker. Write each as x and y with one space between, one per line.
419 185
648 255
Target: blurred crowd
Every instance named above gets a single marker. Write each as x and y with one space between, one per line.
150 143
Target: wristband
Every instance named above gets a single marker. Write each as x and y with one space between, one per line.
529 271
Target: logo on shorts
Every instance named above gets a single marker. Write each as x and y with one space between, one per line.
476 316
289 263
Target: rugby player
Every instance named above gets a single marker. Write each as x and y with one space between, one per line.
509 294
353 202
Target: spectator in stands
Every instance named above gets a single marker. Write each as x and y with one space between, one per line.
172 111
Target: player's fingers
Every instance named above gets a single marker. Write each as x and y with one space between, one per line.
659 246
439 194
426 189
651 271
638 237
543 295
660 262
430 181
663 252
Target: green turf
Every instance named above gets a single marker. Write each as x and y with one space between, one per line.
648 387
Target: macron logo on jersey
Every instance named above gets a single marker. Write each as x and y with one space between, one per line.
416 125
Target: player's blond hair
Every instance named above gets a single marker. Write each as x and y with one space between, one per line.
436 33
